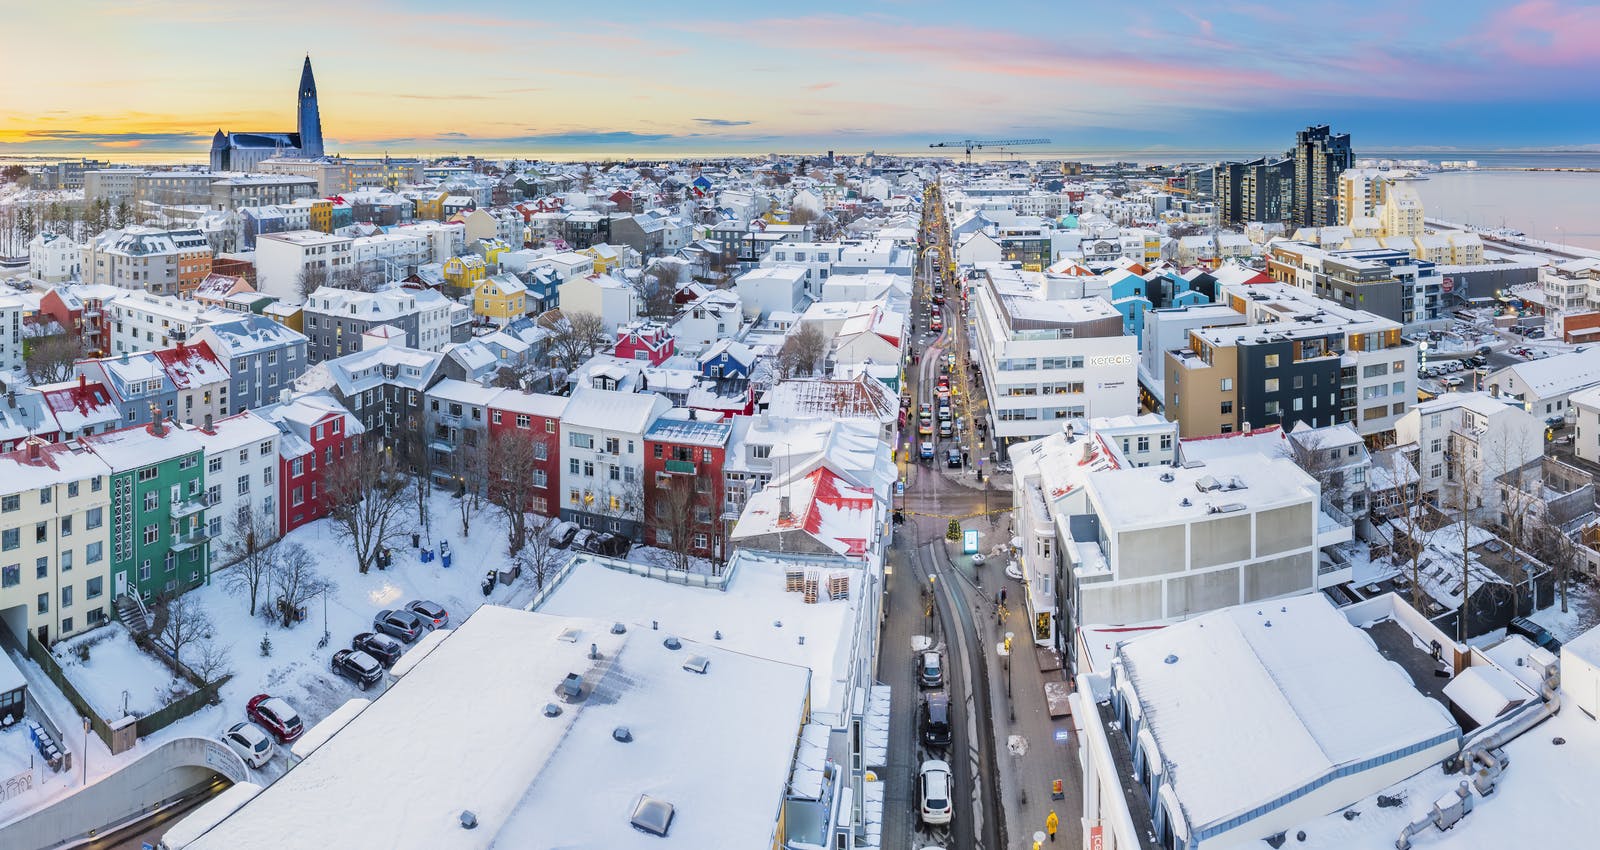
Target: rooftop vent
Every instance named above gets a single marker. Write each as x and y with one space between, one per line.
1184 502
618 628
697 664
621 734
672 643
568 636
716 635
1207 483
594 651
1167 477
552 710
572 686
652 816
1171 659
468 820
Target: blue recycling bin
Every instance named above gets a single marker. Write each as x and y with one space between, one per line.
427 555
446 560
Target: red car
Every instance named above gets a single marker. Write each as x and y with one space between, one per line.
276 717
937 324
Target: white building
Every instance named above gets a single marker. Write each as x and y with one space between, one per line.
611 298
241 479
602 456
141 321
1460 443
1544 386
771 289
1168 328
1301 715
1046 358
817 258
54 502
284 259
54 259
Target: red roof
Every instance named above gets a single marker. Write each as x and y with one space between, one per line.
185 361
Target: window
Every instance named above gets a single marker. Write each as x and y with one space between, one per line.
494 417
41 568
92 554
152 500
297 496
41 532
549 426
10 503
44 495
580 440
297 467
1166 441
244 484
92 517
11 575
72 489
266 477
44 603
1271 385
1271 361
572 466
10 539
151 533
613 445
1272 408
244 455
541 451
1227 385
1227 408
657 451
705 455
66 560
144 571
66 526
265 448
94 484
93 588
761 451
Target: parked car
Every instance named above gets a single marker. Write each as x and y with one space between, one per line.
561 534
925 428
936 720
433 612
583 541
944 412
1535 633
935 791
275 716
952 458
380 646
937 324
358 667
401 624
930 670
925 451
250 743
944 428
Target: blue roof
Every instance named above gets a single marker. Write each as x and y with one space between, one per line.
693 431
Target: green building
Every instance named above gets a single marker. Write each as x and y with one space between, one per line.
159 544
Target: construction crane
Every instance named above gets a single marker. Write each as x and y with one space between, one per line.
969 144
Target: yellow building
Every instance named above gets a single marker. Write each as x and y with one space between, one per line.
500 299
465 272
490 250
322 215
430 206
606 258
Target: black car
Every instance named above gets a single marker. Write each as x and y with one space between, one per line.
404 625
358 667
609 544
380 646
936 720
561 534
1536 634
952 458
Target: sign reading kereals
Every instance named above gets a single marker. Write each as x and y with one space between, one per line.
969 541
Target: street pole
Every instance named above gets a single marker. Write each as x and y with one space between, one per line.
85 751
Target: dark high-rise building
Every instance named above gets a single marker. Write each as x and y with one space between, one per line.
1320 156
1259 190
243 151
310 120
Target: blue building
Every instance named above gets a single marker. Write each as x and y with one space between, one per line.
262 356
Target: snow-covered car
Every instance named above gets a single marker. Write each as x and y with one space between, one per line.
357 666
935 791
275 716
250 743
977 558
433 612
401 624
380 646
561 534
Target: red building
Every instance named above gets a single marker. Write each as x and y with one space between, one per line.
645 341
683 456
315 431
81 310
538 416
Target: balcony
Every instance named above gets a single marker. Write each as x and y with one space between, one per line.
680 467
190 539
190 506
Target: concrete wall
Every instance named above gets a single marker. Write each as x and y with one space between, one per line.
173 770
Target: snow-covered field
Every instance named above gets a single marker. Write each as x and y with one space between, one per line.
1582 614
117 666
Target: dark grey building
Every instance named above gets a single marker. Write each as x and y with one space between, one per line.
1320 156
1259 190
263 357
335 319
385 388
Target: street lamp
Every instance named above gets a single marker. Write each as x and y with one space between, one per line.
85 751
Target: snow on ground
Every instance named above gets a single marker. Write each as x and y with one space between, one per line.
118 667
1582 614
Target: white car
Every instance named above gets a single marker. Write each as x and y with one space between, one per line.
936 792
252 744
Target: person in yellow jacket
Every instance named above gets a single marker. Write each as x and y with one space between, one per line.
1050 824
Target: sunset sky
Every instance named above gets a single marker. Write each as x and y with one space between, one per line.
495 76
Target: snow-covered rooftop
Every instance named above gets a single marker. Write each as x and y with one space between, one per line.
718 746
1129 498
1311 689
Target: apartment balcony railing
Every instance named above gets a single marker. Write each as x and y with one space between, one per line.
680 467
190 539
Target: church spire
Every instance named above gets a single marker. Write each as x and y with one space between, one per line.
310 118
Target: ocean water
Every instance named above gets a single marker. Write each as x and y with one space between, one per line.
1561 207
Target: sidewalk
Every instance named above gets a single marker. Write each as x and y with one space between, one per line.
1029 755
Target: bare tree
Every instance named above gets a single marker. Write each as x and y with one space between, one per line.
1414 524
676 506
295 581
52 358
414 449
538 558
802 352
802 215
1551 545
1322 464
514 461
309 280
183 621
367 501
575 337
658 289
249 550
211 662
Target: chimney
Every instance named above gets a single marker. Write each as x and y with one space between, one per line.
783 507
157 427
83 382
124 357
11 398
33 450
207 427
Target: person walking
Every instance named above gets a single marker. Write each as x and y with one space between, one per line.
1050 824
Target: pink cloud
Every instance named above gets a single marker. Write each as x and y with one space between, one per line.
1545 32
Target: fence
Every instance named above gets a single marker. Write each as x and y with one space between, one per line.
52 668
180 708
670 574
